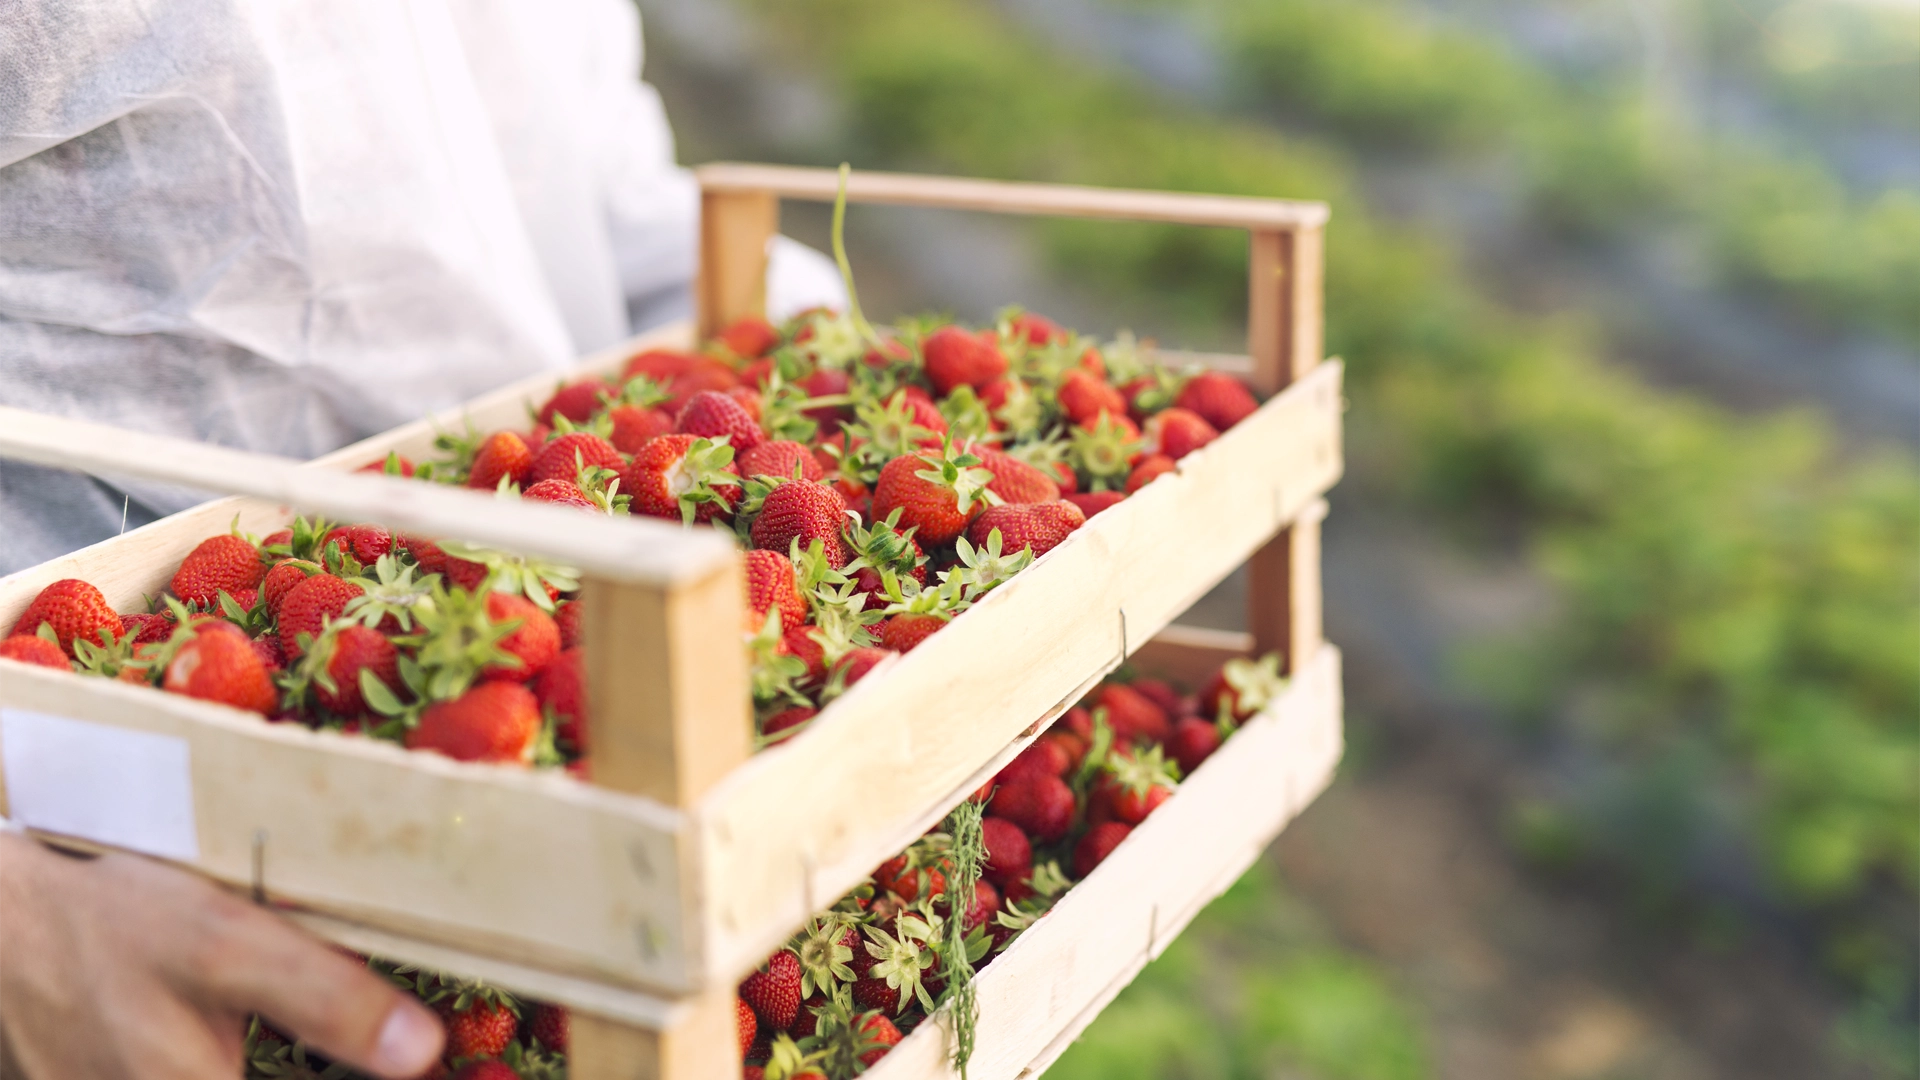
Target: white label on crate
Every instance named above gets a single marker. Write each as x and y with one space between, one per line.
127 789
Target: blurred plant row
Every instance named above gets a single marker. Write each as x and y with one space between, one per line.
1738 633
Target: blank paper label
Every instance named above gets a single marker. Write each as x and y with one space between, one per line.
129 789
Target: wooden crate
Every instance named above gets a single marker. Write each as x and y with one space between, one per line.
643 897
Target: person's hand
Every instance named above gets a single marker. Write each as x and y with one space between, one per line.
118 968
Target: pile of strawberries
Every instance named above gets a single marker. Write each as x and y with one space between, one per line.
879 484
860 975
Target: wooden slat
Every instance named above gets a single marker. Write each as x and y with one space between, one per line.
999 197
1284 592
735 228
1052 981
1189 655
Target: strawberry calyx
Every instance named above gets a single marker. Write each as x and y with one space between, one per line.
1103 453
112 657
825 957
787 1061
1140 771
960 472
307 534
773 672
983 568
967 416
882 431
390 592
642 391
536 579
1255 684
902 957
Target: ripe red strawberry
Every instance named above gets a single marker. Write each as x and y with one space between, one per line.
560 493
986 901
535 641
561 459
392 465
1192 742
144 629
1040 526
365 543
858 662
577 402
425 553
771 584
682 478
483 1030
356 649
494 721
1092 502
1084 396
1037 329
1147 471
749 336
1093 848
567 618
480 1069
749 400
549 1025
226 562
778 458
936 492
306 607
1132 715
706 375
267 648
955 357
282 578
710 414
878 1028
746 1023
1009 855
1133 805
801 644
504 455
75 609
660 365
1219 399
787 719
923 412
904 631
826 382
806 510
1162 694
1244 686
29 649
561 687
1014 480
911 883
1042 757
634 426
220 666
1041 805
773 992
1176 432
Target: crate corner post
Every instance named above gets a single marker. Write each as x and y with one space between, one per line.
735 228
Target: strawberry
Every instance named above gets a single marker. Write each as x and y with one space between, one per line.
1042 758
503 456
1148 470
1071 746
746 1023
749 336
801 644
267 648
1093 848
391 465
561 688
773 992
1132 716
1084 396
682 477
1014 480
577 402
32 649
74 609
634 426
1177 432
483 1069
986 901
1162 694
306 607
482 1029
705 375
567 617
787 720
1218 398
220 665
749 400
901 877
144 629
1037 329
282 578
366 543
955 357
779 458
1092 502
560 493
1040 526
494 721
904 631
425 553
660 365
219 563
1192 742
534 642
1242 688
562 458
877 1028
548 1026
710 415
355 649
1041 805
855 665
1009 855
936 492
803 510
771 584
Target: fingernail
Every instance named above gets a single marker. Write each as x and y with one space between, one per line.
409 1042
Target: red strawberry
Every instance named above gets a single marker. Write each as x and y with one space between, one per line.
393 465
1014 480
1093 848
826 382
634 426
29 649
1040 526
567 618
560 493
221 666
1078 721
1132 806
1092 502
365 543
535 641
787 719
706 375
1084 396
356 649
904 631
549 1025
710 414
747 1024
770 584
494 721
1177 432
144 629
425 553
1150 469
935 492
504 455
1041 805
1132 715
749 336
749 400
778 458
923 412
682 478
878 1028
483 1030
1009 855
909 883
577 402
481 1069
801 644
1162 694
267 648
75 609
1192 742
1037 329
955 357
561 686
282 578
226 562
1244 686
561 459
986 901
308 605
1219 399
1071 746
858 662
1042 758
660 365
805 510
774 991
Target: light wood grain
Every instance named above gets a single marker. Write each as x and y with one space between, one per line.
701 1044
1189 655
735 228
